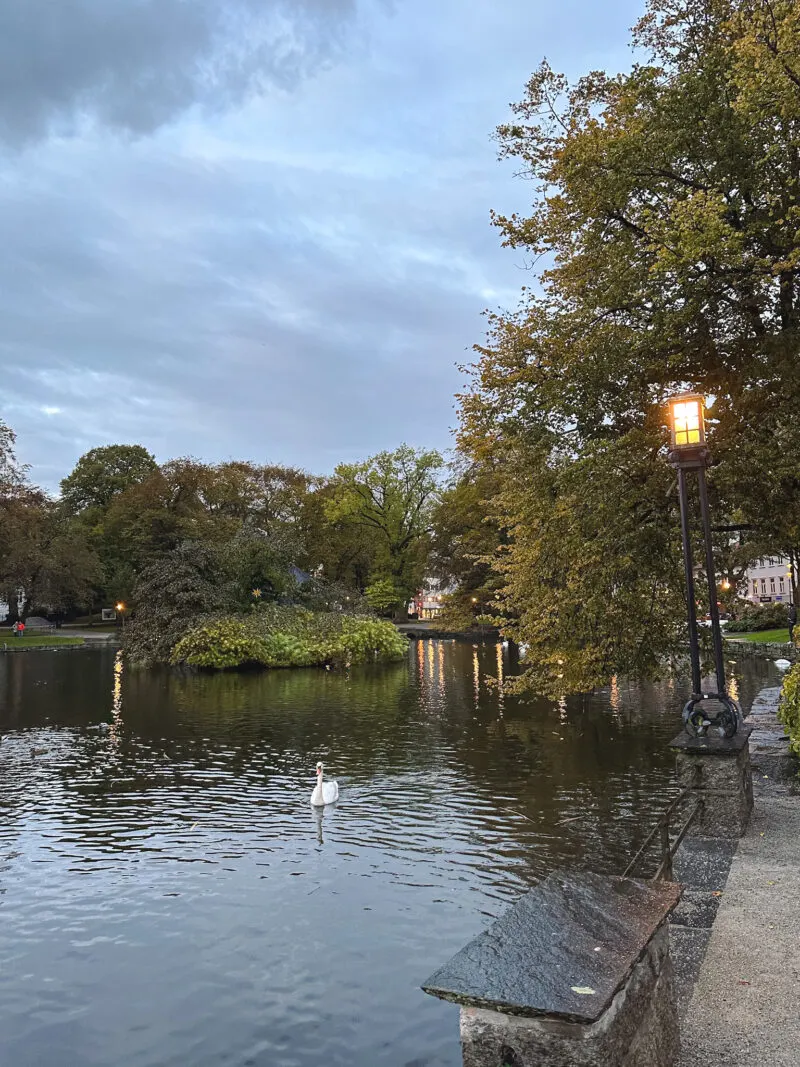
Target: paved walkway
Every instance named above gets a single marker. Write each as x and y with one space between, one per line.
88 635
745 1007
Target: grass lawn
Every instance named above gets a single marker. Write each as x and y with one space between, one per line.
766 636
8 638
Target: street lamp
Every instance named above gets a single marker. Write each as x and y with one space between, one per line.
689 452
121 610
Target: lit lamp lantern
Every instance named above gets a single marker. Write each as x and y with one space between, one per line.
687 422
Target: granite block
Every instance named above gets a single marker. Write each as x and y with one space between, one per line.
573 931
639 1028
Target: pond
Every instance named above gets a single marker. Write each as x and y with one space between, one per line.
169 899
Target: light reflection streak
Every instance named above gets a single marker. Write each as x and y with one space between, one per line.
733 688
613 696
116 700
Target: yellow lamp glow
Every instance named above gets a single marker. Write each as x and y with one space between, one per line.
120 607
687 421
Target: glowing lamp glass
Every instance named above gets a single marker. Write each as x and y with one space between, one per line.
687 421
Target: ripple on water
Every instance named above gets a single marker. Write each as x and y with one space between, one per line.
169 897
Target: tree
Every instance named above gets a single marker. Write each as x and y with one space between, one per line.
45 563
174 592
339 552
383 595
665 223
465 538
99 478
12 474
391 495
102 474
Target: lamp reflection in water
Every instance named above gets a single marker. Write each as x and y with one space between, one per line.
116 700
563 715
733 688
500 675
613 696
476 674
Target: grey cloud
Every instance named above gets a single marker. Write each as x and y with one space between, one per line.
293 279
137 64
236 309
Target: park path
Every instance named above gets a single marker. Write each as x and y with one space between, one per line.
87 635
745 1007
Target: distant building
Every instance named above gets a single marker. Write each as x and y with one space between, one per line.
428 602
3 611
768 581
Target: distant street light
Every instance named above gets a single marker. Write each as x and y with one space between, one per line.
121 610
690 453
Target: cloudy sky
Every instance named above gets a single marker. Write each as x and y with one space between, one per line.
259 228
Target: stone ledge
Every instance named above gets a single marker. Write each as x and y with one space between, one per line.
531 961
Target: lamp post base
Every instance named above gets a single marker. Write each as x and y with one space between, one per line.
699 722
717 770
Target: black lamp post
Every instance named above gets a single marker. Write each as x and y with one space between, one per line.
689 452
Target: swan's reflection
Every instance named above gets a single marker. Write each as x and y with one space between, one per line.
319 814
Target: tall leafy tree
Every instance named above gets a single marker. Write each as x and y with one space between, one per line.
100 477
102 474
44 563
392 496
465 537
665 232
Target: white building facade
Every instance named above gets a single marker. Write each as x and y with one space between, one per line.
429 601
769 581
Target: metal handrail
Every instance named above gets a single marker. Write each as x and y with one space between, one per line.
661 829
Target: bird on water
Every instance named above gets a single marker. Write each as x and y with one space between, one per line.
324 792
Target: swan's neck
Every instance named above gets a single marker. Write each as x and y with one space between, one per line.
320 792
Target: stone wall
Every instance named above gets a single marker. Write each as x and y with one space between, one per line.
761 649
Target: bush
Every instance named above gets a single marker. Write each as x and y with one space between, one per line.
763 617
275 636
789 708
384 595
220 643
363 638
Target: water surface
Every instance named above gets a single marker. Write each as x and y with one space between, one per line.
168 898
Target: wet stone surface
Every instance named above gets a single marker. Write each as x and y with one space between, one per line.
717 745
574 931
704 862
698 908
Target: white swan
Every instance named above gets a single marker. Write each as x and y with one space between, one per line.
782 664
324 792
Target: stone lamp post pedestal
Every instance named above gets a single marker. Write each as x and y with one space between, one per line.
717 770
